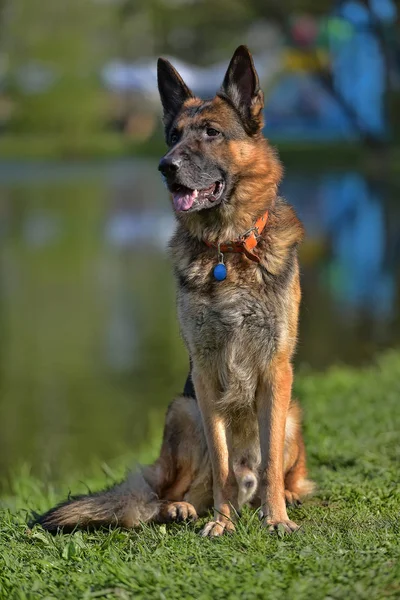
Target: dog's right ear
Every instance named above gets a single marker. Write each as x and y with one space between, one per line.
173 90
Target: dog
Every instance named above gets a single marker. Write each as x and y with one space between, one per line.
234 436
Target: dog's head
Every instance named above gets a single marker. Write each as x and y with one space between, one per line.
215 146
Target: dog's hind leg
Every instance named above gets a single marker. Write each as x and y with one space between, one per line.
151 493
183 462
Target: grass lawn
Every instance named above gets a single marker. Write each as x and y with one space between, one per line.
348 545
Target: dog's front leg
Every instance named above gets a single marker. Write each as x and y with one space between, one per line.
273 399
217 436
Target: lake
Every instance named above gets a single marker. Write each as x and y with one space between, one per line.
90 353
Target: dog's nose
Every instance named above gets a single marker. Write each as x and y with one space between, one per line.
169 165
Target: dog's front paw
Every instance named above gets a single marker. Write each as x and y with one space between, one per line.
217 528
282 524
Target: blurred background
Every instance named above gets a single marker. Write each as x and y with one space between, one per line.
90 353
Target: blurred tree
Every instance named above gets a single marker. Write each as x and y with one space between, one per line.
199 31
55 51
202 31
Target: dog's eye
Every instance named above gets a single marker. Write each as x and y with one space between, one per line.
212 132
174 138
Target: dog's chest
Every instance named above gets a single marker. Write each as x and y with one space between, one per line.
239 310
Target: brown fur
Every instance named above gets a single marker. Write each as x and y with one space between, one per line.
239 439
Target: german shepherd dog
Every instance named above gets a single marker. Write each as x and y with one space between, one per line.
234 436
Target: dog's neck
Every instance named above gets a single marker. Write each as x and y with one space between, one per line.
225 223
246 243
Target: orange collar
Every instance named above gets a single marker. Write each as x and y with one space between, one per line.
245 243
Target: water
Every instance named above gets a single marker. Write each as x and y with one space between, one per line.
90 353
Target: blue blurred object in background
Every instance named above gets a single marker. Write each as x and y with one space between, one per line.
301 107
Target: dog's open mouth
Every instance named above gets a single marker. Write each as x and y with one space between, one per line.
186 199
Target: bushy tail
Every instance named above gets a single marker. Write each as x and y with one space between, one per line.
127 504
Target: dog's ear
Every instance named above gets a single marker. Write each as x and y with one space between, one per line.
173 90
242 88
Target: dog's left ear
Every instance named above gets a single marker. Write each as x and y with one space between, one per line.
242 88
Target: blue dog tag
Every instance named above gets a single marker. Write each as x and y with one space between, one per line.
220 272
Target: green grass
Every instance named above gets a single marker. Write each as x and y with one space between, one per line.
348 545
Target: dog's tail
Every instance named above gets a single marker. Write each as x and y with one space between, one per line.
127 504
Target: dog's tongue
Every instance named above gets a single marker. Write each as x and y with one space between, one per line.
184 198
